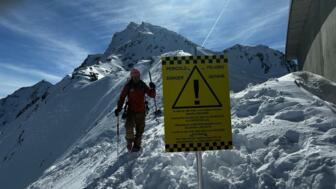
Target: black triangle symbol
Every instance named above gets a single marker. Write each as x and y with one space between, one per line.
218 103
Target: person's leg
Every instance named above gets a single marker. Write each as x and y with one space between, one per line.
139 127
129 126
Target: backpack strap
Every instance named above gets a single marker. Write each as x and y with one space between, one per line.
130 86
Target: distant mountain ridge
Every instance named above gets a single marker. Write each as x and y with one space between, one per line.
144 42
23 101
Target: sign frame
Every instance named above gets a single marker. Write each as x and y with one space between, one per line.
196 102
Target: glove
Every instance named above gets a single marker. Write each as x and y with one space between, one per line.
152 85
116 112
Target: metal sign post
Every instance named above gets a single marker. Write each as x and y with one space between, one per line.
199 160
199 169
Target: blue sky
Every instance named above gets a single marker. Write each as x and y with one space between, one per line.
47 39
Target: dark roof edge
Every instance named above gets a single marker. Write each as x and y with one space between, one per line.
289 20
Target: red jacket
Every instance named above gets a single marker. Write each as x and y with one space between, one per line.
136 96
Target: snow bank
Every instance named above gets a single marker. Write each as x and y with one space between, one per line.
318 86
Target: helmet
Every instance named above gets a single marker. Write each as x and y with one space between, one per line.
135 73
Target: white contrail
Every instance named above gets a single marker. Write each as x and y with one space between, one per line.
213 27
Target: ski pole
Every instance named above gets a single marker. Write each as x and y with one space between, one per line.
118 139
156 110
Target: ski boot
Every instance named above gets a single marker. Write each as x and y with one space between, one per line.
129 146
136 148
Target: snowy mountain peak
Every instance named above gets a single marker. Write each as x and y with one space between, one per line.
143 41
142 28
135 44
132 25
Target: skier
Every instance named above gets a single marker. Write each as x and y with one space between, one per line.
135 90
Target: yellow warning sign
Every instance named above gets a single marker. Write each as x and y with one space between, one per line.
194 82
196 103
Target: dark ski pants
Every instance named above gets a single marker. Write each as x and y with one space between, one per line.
137 121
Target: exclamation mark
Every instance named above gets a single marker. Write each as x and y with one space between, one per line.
196 90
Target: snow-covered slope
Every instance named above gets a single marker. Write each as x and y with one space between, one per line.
72 107
284 137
